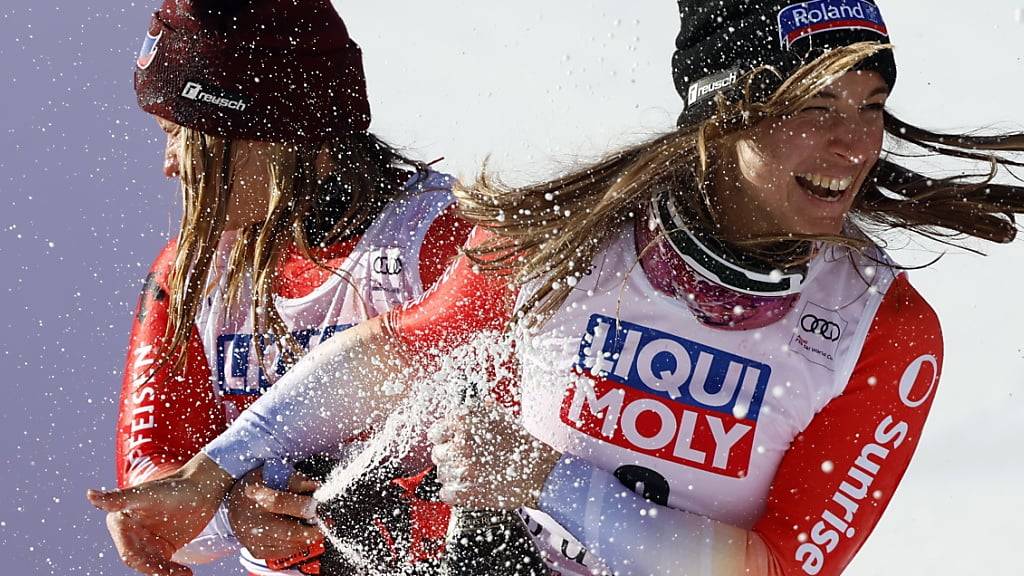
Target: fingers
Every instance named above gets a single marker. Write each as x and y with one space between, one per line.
112 501
284 503
447 495
279 537
140 549
441 431
294 551
255 476
451 473
289 558
459 440
483 414
484 408
451 449
453 460
269 523
302 484
440 454
456 494
453 468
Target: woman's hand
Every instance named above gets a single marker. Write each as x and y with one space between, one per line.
270 523
151 521
485 459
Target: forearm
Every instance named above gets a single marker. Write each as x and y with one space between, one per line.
166 413
634 536
340 389
216 541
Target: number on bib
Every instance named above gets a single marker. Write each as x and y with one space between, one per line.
645 482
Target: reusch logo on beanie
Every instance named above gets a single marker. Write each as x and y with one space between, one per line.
271 70
720 37
195 91
707 87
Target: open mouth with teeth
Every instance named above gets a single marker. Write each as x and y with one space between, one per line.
824 187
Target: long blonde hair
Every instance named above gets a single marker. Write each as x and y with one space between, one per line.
551 231
299 214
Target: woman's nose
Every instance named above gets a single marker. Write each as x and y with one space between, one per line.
171 167
851 140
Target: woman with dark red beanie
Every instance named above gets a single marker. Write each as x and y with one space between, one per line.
298 223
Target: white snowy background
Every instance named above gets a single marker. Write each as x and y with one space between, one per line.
537 85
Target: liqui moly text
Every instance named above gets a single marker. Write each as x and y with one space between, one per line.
237 358
672 398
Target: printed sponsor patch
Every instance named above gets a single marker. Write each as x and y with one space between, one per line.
817 335
387 278
668 397
387 261
707 87
237 358
148 50
213 95
797 21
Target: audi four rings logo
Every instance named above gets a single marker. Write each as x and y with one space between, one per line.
386 265
826 329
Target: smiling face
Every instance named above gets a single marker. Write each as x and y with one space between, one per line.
800 174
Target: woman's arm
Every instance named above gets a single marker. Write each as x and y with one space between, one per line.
330 395
339 389
327 399
445 237
166 413
634 536
837 478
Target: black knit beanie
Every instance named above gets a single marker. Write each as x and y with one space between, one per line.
720 40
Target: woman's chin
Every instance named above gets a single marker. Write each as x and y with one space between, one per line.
805 220
811 216
819 226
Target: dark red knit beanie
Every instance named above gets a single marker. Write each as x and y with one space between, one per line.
270 70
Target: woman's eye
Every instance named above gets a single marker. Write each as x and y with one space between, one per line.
816 109
874 107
